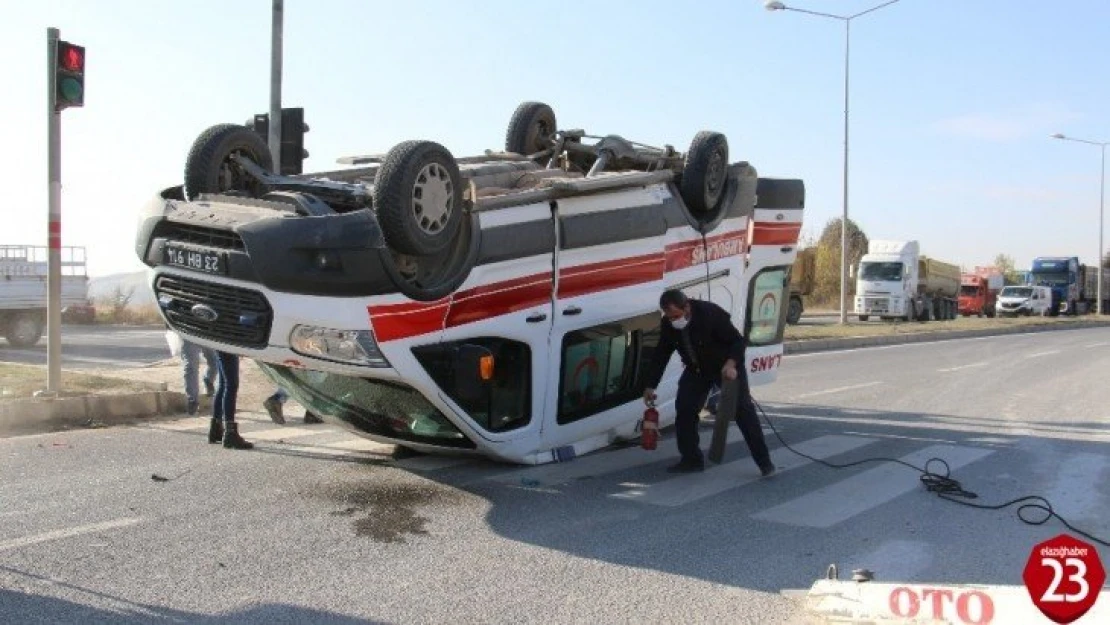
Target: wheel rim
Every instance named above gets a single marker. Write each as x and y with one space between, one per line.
231 176
432 198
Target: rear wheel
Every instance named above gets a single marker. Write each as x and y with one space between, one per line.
705 172
531 129
209 168
24 330
418 198
794 311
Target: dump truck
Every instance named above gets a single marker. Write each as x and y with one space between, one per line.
801 283
895 281
979 291
23 289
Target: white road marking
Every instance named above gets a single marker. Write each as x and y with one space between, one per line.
855 495
26 541
431 463
1102 344
839 389
1048 353
691 487
281 433
597 463
1078 480
962 367
183 425
361 444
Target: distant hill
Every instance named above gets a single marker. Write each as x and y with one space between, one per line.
135 282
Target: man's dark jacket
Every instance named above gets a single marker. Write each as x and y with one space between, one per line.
713 337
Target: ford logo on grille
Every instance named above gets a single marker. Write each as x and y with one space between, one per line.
204 312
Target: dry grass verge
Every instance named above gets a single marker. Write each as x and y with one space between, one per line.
21 381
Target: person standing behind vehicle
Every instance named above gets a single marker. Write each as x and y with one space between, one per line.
274 403
223 426
190 354
711 349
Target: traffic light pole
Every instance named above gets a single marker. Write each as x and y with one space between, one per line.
275 84
54 223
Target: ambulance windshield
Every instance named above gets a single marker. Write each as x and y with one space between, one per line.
388 409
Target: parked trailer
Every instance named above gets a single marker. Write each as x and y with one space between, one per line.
23 289
1089 292
896 281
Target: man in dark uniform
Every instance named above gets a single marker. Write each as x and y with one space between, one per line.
711 348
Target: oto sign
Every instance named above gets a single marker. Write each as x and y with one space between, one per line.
1064 577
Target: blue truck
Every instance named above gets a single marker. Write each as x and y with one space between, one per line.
1074 285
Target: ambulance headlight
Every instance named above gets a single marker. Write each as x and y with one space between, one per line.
356 347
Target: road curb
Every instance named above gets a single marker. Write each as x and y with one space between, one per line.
804 346
20 417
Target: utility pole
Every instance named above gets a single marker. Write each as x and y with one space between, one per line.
275 83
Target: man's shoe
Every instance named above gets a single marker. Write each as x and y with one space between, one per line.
767 471
192 408
273 406
312 418
686 467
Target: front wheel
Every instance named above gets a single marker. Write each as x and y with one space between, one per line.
24 331
418 198
794 311
210 168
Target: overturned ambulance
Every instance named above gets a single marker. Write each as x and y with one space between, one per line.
504 304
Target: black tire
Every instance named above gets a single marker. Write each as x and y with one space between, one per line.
208 168
794 311
531 129
411 223
705 173
24 330
863 317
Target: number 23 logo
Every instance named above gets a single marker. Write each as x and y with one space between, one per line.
1079 577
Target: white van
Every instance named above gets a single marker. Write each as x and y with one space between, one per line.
1024 300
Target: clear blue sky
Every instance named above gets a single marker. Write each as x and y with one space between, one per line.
953 101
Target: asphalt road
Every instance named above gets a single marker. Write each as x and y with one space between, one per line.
316 526
97 347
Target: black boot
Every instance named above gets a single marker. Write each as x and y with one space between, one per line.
232 440
215 430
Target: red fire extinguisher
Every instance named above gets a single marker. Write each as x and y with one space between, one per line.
649 437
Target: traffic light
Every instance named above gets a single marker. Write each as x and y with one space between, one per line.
69 76
293 130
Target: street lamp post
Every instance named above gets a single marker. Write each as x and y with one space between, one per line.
1101 206
774 5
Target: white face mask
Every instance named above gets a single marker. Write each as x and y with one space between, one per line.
680 323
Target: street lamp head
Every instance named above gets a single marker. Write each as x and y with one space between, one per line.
774 5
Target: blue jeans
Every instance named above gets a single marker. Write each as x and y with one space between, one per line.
227 391
190 356
280 395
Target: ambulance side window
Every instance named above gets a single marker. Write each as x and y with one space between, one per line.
768 295
508 404
604 366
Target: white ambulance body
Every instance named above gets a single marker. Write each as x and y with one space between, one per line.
533 349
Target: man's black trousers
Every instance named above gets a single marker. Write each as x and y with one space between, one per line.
693 389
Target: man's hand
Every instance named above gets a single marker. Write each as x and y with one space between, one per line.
729 372
649 396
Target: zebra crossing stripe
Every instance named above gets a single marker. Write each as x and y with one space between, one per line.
690 487
855 495
597 463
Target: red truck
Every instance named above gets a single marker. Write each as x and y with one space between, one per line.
979 291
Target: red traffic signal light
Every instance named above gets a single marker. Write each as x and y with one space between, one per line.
69 76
